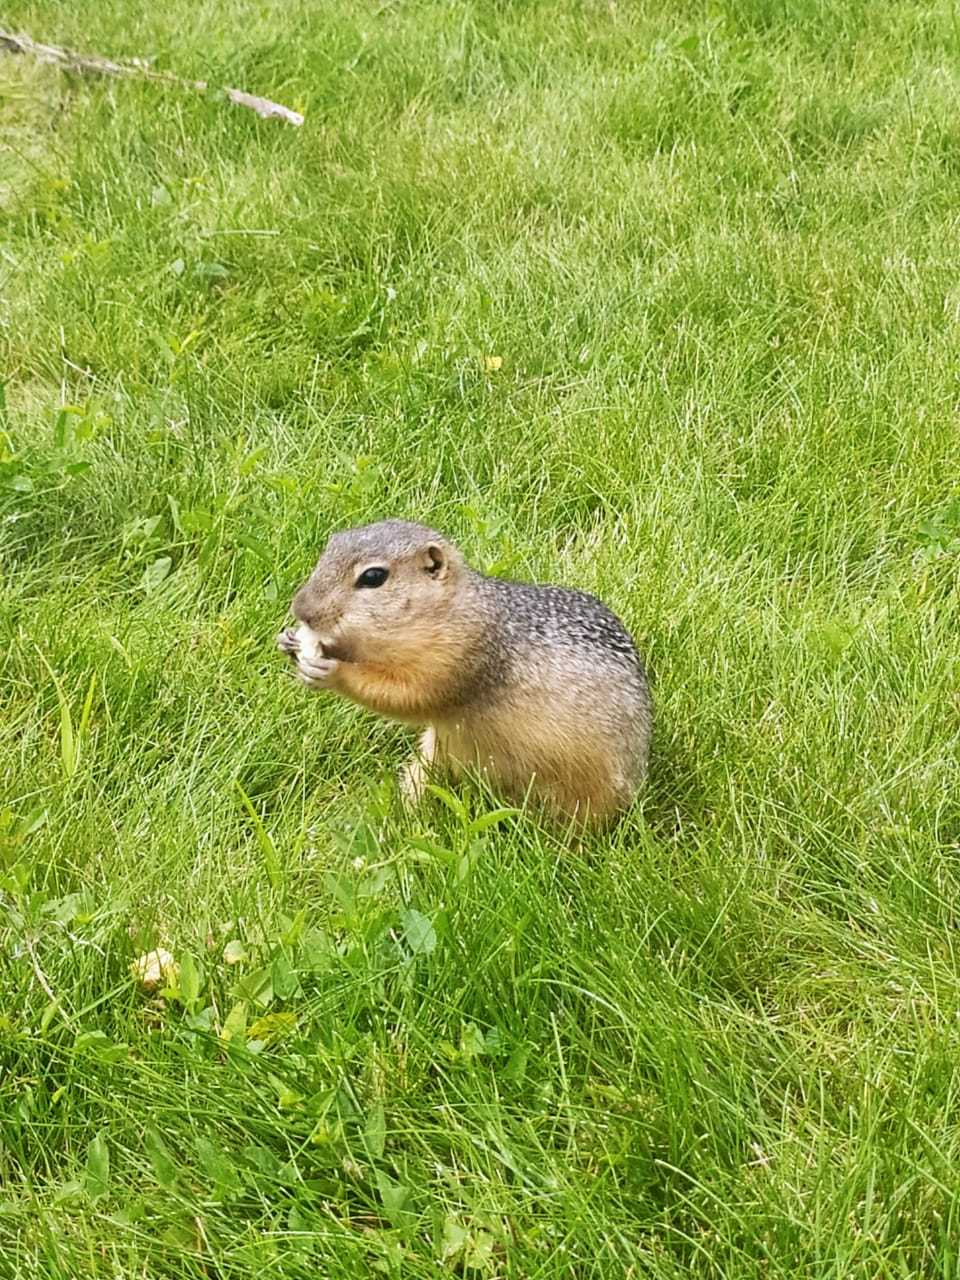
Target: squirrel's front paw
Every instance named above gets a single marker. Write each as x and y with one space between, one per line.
316 673
288 642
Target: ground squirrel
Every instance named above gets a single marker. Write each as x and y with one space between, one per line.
542 687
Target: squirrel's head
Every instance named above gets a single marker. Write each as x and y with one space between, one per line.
379 593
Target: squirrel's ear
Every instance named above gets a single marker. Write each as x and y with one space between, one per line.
435 561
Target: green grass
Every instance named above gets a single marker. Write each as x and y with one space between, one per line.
715 247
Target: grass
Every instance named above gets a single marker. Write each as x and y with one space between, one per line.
713 247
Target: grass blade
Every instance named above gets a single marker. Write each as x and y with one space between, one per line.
268 849
69 742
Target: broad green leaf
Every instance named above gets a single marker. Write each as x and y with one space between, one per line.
452 802
286 984
343 888
293 929
61 425
155 573
96 1178
418 931
100 1044
235 1023
273 1027
258 548
252 460
234 952
190 980
164 1169
375 1131
92 1040
478 1255
63 910
395 1196
202 1021
257 987
431 850
48 1015
196 520
516 1067
472 1043
455 1236
488 820
374 882
219 1168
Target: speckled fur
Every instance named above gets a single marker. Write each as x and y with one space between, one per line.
542 687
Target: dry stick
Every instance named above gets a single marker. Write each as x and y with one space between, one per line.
92 65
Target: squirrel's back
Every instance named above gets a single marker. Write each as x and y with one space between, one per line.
561 683
561 617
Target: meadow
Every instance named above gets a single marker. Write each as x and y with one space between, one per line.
659 301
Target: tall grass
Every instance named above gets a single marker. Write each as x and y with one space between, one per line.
661 302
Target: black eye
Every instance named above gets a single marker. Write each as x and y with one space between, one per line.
375 577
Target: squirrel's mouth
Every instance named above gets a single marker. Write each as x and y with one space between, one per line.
326 647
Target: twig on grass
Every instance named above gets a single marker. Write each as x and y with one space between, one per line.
92 64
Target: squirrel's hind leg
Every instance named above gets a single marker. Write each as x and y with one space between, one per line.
414 774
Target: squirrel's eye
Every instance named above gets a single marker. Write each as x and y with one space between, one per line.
375 577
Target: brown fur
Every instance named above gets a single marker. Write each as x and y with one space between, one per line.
537 687
573 771
410 687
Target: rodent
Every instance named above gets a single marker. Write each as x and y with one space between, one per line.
540 686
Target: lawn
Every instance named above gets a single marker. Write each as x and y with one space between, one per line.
660 301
